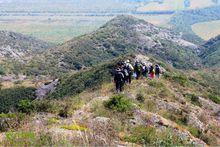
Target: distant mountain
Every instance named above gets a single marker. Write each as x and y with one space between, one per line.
182 21
17 46
211 56
124 35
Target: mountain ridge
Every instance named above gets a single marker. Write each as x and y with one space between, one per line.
126 34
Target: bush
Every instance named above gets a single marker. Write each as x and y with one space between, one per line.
119 103
194 131
182 80
9 98
2 71
44 106
64 112
214 98
194 99
140 97
142 135
25 106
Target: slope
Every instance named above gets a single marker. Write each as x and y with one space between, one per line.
211 56
123 35
171 111
17 46
183 20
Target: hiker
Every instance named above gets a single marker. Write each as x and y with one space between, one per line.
144 70
157 71
119 78
151 72
138 69
130 70
125 72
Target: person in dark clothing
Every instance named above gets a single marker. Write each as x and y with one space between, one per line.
144 70
157 71
119 78
130 69
151 72
138 69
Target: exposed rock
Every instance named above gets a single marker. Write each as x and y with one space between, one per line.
46 89
194 121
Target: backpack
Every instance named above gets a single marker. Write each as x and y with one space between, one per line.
138 67
119 76
129 68
126 72
157 70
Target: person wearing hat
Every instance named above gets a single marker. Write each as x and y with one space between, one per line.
130 70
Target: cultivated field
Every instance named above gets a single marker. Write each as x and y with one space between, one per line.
171 5
207 30
167 5
201 4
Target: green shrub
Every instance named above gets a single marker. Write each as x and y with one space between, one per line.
214 98
180 118
142 135
64 112
25 106
2 71
194 99
181 79
140 97
169 138
194 131
119 103
9 98
44 106
20 138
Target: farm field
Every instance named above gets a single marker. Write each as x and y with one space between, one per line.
58 29
171 5
207 30
167 5
201 4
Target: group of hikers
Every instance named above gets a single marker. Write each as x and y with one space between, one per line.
125 71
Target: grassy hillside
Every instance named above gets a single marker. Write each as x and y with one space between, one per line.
211 56
18 46
182 21
123 35
174 110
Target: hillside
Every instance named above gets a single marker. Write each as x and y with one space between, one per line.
182 21
124 35
211 56
17 46
178 109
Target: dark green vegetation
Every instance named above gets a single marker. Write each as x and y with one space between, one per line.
123 35
9 98
211 54
183 20
88 79
119 103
